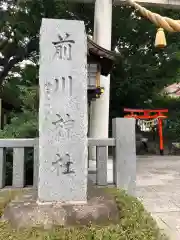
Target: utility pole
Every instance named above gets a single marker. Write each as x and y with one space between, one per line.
99 109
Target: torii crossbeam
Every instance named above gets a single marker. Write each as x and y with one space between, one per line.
155 3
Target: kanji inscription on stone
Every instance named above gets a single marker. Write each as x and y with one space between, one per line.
59 84
63 117
58 163
68 163
63 47
63 124
63 162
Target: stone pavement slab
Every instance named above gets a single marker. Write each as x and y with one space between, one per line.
172 233
159 205
158 187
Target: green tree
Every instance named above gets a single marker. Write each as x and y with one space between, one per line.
145 70
19 28
140 73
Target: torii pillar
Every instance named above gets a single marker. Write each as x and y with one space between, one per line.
99 109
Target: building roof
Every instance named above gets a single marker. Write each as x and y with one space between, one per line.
100 51
101 55
173 90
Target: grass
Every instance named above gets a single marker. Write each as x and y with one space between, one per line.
134 224
6 196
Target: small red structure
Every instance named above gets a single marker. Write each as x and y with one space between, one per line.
146 114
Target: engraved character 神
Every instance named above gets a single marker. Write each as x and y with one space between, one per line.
64 124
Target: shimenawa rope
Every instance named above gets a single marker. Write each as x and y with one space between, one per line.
163 23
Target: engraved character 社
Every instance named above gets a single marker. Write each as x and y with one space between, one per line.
63 47
67 164
64 124
64 161
58 163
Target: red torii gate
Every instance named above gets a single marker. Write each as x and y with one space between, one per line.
146 114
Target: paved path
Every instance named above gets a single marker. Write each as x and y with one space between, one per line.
158 187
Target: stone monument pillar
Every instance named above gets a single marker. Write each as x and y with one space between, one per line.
63 112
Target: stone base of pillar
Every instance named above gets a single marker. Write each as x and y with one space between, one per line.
25 212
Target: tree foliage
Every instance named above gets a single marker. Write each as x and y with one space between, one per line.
146 70
19 36
141 73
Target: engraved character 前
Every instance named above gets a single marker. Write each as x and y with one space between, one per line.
63 47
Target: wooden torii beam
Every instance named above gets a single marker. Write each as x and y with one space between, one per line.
172 4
